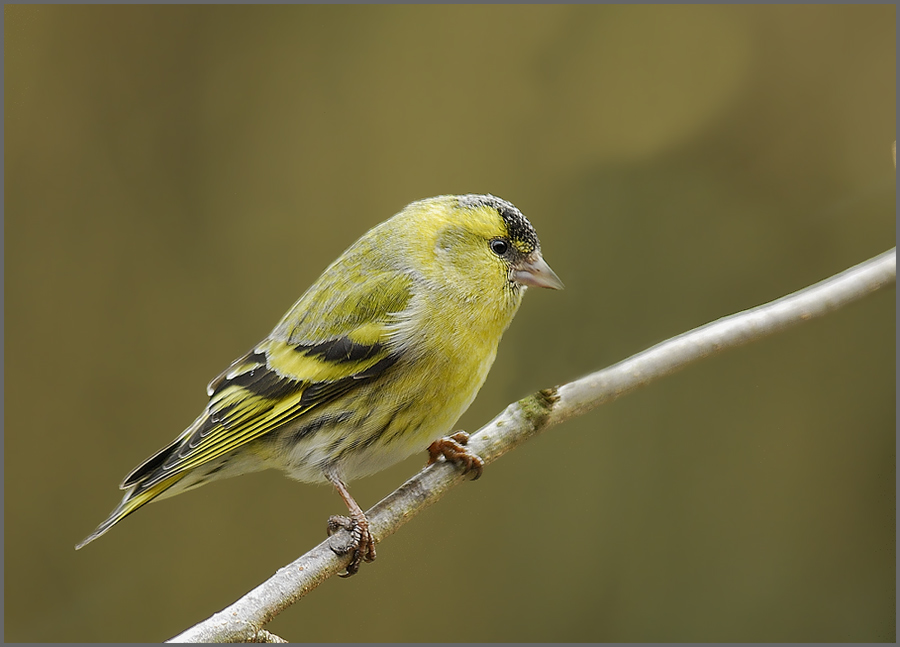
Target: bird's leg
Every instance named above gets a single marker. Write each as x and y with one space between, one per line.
454 449
362 544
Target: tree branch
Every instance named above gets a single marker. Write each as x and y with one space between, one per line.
243 621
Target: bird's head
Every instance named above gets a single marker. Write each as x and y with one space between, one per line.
476 245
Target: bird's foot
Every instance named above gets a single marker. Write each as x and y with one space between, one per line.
361 542
454 449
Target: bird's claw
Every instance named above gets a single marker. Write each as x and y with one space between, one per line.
361 542
454 449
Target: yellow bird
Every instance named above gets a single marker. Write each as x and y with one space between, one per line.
376 361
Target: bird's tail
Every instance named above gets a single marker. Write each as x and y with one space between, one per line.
134 498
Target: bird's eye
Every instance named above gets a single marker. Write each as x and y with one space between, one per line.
499 247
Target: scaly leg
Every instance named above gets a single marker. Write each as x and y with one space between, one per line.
454 449
362 544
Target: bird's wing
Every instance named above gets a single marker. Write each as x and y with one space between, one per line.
302 365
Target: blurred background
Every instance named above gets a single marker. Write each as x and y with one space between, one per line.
176 176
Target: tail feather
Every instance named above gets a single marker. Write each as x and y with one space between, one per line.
143 484
133 499
151 468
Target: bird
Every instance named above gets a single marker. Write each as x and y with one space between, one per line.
376 361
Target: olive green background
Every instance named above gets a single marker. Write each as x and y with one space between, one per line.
177 176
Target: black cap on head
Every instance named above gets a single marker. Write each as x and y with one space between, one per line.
521 233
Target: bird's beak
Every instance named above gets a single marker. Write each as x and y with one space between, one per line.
533 270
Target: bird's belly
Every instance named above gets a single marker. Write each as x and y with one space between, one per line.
365 432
